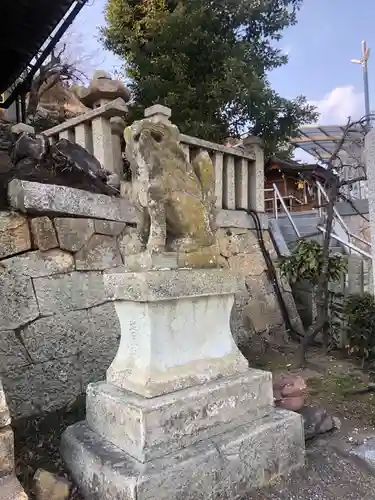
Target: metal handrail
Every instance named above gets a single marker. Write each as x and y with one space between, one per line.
277 195
323 192
346 243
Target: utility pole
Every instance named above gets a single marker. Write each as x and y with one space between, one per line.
363 62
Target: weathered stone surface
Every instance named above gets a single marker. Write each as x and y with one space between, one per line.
18 304
11 488
109 228
263 313
102 345
100 253
44 235
73 233
233 241
69 292
38 264
129 242
262 309
42 387
150 286
247 264
14 234
183 215
4 411
35 197
151 428
250 456
58 336
12 352
6 452
48 486
153 322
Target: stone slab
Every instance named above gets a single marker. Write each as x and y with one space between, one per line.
11 489
239 219
224 466
18 304
57 336
44 235
14 234
43 387
4 411
73 233
151 428
12 352
34 197
40 264
109 228
6 451
99 254
64 292
154 286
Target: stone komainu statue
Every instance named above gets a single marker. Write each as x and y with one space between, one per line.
175 198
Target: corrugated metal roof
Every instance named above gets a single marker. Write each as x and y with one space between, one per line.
321 141
25 26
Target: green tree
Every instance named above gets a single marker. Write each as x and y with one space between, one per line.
208 61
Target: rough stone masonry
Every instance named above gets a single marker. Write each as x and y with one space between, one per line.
58 331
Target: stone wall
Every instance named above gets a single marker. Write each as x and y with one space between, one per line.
257 310
57 331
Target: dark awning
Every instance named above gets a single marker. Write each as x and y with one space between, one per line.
25 27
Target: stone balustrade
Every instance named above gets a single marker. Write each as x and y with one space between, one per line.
239 174
99 131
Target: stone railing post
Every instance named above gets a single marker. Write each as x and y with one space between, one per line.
256 174
105 133
117 127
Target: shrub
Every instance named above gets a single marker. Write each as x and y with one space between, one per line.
306 261
359 320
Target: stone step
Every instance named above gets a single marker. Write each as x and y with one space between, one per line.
228 464
11 489
6 451
150 428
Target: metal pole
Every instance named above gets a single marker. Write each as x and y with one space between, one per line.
365 57
363 62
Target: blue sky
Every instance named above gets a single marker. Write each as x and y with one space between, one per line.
320 46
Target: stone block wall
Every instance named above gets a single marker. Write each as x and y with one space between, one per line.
257 310
57 332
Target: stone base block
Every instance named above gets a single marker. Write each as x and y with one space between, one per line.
224 466
151 428
10 489
204 258
6 451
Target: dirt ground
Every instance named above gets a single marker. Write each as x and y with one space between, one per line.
330 381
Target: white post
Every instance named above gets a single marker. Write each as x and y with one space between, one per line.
370 169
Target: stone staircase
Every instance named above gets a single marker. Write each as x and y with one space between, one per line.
306 223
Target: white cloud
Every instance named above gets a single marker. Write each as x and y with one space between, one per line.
340 104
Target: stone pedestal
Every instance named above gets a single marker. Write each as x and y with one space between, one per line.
180 415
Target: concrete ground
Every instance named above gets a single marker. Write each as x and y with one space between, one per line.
331 473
